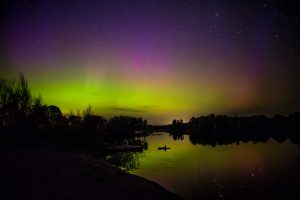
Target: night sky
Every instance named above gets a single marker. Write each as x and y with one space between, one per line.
156 59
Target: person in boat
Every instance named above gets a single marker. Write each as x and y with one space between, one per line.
163 148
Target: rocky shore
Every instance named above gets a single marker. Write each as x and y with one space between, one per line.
32 173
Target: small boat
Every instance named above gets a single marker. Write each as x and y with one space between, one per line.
124 148
164 148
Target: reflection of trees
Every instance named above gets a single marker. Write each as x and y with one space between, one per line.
227 130
177 136
217 130
126 160
177 129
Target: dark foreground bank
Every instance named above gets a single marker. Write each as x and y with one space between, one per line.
31 173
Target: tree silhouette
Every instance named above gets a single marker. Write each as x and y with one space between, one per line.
15 102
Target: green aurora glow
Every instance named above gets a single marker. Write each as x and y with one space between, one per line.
159 59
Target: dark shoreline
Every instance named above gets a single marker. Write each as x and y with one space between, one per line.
34 173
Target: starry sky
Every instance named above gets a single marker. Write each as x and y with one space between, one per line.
159 59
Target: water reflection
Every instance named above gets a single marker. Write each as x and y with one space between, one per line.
214 138
253 171
125 160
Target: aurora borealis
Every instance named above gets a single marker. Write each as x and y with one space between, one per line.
159 59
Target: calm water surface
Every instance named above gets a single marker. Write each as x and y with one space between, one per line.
246 170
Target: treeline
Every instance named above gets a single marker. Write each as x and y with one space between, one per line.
23 116
222 129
